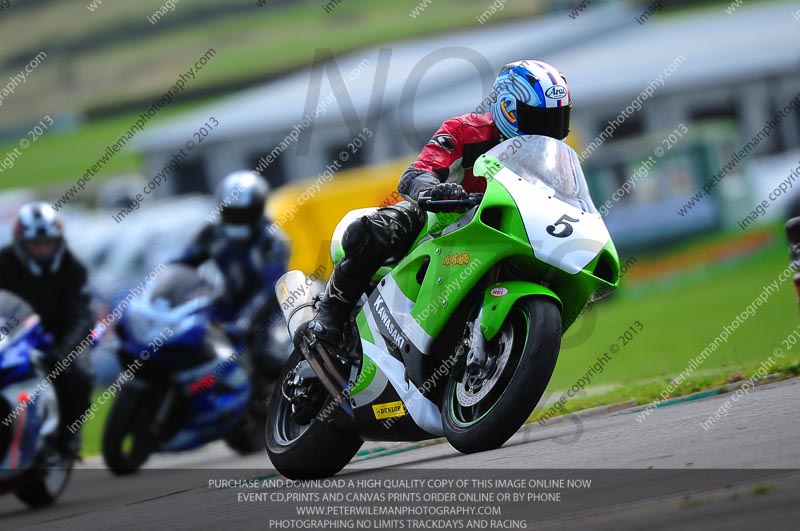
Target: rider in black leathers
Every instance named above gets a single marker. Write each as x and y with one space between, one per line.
39 268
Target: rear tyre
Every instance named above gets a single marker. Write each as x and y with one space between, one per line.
479 416
306 449
127 437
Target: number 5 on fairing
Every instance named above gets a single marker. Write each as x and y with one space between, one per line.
566 231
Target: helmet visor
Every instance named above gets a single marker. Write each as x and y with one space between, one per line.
42 249
551 121
242 215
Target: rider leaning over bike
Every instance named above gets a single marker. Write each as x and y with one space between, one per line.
250 255
39 268
528 98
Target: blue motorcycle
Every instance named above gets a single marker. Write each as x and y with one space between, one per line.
30 464
191 385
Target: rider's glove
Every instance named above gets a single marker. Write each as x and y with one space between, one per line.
445 192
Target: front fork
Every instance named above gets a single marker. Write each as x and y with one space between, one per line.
157 428
476 357
163 413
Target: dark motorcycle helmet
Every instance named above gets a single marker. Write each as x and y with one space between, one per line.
531 98
242 196
39 238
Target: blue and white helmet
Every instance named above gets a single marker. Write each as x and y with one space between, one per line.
531 98
241 197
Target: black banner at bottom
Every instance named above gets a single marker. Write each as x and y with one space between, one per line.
421 499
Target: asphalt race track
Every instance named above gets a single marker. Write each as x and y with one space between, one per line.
666 472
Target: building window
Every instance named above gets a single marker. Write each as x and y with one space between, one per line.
725 111
191 177
796 122
632 126
730 111
353 159
273 172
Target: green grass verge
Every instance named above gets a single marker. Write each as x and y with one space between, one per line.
647 392
56 158
680 318
263 41
251 44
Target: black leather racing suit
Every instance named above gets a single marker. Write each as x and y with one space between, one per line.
61 299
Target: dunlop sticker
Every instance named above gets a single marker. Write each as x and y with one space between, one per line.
388 410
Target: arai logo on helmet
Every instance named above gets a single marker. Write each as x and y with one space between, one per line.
556 92
499 292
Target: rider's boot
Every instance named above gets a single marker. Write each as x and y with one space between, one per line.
69 444
367 243
73 391
333 311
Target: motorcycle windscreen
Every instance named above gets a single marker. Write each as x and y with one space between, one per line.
179 284
544 177
548 164
13 308
14 314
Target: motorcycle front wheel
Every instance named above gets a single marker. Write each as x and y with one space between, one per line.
128 439
482 411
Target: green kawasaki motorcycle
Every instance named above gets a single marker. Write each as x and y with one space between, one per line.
460 337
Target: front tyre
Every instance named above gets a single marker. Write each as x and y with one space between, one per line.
127 437
301 440
482 411
49 482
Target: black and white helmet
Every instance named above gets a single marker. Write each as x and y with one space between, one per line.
39 222
241 197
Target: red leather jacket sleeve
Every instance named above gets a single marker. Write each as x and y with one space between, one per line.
450 155
435 161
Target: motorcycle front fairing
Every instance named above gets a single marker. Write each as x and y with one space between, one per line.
217 394
29 406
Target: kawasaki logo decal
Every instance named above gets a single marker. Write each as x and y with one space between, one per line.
383 314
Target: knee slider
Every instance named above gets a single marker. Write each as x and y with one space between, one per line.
417 217
399 222
356 237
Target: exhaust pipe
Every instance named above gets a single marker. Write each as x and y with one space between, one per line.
296 294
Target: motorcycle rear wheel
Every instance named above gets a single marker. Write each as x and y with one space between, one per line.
314 450
47 484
